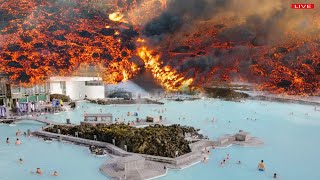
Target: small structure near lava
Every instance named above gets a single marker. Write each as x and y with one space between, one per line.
94 119
241 138
153 119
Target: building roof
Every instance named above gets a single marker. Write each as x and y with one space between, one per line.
74 78
98 115
129 159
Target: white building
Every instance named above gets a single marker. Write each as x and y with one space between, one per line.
128 86
78 87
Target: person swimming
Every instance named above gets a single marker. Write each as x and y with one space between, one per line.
261 166
18 142
8 141
228 157
55 173
38 171
18 132
275 176
20 160
223 162
239 162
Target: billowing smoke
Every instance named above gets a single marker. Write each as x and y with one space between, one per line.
264 42
260 41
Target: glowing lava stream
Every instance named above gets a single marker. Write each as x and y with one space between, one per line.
116 16
168 77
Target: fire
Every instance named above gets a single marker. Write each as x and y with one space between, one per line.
116 16
164 4
181 47
119 72
208 54
139 40
167 76
39 41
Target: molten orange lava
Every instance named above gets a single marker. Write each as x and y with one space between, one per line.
167 76
116 16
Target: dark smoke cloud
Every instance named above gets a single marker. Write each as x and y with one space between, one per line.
166 23
182 12
202 37
196 9
237 34
267 19
220 58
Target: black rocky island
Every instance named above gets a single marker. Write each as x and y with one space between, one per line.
158 140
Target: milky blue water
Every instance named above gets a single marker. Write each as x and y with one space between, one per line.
71 161
290 133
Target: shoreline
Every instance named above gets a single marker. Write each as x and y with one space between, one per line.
123 101
179 163
152 167
283 100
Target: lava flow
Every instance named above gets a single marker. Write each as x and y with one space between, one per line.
271 46
44 38
167 76
184 43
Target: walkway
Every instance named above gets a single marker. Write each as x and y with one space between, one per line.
15 119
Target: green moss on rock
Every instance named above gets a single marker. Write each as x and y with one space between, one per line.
158 140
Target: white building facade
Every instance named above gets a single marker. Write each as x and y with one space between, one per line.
78 87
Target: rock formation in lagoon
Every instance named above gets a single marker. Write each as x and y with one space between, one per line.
158 140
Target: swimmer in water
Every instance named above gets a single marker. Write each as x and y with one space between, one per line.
38 171
205 159
223 163
8 141
20 160
18 132
275 176
239 162
55 173
18 142
228 157
261 166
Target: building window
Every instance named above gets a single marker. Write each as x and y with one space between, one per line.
2 89
42 88
93 83
16 89
63 87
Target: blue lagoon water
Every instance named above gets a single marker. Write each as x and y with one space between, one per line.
291 140
71 161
